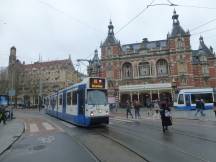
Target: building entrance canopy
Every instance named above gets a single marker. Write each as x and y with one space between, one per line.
146 94
143 87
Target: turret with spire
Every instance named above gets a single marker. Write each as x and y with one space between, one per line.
177 30
110 40
94 67
203 49
178 38
110 44
12 57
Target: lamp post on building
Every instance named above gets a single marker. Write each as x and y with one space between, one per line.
174 86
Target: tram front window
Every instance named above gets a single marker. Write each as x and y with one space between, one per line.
97 97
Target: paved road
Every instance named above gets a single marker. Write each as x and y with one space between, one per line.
123 140
45 141
187 140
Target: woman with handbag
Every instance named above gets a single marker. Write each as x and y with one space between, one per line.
165 113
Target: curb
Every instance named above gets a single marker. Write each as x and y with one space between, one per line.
15 138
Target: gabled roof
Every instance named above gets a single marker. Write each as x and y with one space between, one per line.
135 47
38 65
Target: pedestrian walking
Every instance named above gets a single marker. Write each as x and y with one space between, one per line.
214 108
200 106
137 109
2 115
149 106
156 109
128 108
166 118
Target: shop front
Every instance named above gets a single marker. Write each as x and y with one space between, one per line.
145 93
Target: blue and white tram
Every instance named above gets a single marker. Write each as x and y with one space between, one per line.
82 104
186 99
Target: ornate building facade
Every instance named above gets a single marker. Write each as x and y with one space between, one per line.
29 81
152 70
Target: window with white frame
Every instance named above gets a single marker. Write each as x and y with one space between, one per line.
162 67
127 71
144 69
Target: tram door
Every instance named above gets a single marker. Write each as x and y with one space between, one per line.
81 102
187 100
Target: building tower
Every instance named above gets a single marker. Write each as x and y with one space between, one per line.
180 54
94 68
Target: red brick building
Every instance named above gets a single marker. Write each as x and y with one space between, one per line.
152 70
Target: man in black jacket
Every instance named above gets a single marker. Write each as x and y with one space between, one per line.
2 114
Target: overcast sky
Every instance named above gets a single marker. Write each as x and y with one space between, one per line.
56 28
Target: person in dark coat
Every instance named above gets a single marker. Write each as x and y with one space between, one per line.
2 114
137 109
200 106
165 113
128 108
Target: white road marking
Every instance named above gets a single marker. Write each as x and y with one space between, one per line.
48 139
47 126
33 128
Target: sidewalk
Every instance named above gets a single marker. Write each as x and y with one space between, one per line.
144 112
10 133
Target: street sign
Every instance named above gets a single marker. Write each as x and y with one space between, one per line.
12 92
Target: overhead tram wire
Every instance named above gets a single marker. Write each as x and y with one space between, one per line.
74 18
199 26
193 6
204 31
199 7
135 17
180 5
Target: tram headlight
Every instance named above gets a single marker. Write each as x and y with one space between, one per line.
107 112
91 113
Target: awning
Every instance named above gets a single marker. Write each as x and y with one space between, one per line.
143 87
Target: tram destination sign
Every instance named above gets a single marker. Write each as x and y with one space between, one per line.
97 83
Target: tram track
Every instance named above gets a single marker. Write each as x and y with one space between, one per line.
79 139
116 141
180 132
133 148
130 133
174 130
124 145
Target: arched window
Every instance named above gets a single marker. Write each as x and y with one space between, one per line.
144 69
162 67
127 71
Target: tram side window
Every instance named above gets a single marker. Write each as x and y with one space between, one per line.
74 98
207 97
69 98
60 100
181 99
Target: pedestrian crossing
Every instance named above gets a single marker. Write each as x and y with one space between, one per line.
48 126
33 128
41 127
